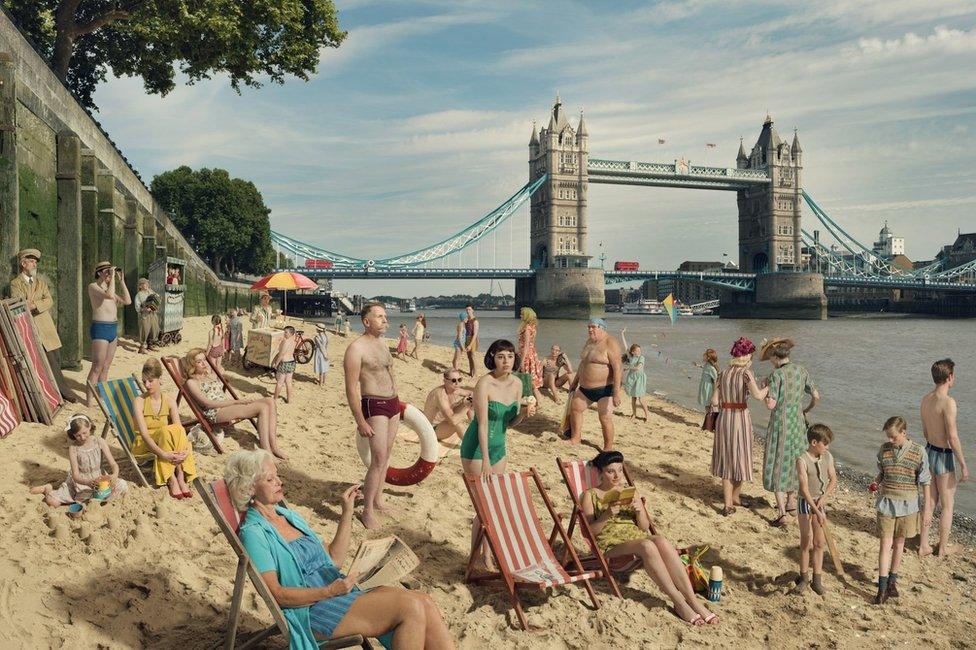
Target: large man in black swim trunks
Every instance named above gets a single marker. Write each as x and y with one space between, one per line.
597 380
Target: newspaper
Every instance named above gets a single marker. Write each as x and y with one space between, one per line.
382 562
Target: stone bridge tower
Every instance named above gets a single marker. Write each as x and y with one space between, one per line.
564 286
769 216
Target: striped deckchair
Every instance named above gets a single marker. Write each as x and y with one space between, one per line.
508 520
228 519
116 398
579 477
172 365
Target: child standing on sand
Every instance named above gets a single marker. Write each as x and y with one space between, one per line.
215 341
85 456
284 363
818 478
401 347
902 467
236 327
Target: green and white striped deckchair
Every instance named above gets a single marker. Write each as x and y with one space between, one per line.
116 398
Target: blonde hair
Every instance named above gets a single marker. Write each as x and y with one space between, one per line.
152 369
895 424
241 472
740 361
189 365
528 315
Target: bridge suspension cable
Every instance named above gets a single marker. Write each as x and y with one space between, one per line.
853 246
442 249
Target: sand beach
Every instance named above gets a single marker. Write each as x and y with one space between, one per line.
151 572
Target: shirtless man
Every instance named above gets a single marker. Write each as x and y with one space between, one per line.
471 327
371 393
448 407
104 329
598 380
944 450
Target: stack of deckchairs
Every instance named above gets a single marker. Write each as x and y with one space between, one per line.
228 519
116 398
26 379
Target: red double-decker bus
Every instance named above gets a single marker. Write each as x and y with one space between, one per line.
318 264
626 266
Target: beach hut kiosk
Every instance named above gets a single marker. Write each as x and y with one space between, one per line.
166 278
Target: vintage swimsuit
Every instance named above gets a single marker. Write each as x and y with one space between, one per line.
104 330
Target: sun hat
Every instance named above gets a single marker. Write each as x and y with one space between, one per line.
767 346
742 347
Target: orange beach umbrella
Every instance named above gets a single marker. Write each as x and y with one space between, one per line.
286 281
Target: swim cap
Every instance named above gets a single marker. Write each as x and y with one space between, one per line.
599 322
462 315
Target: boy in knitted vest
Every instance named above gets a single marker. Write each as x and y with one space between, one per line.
902 467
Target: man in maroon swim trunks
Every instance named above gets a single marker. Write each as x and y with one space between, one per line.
371 393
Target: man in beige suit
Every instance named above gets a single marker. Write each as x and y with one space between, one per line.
35 291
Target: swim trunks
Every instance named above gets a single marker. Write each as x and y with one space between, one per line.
804 507
100 330
285 367
388 407
598 393
941 460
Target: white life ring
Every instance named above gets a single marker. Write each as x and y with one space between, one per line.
418 422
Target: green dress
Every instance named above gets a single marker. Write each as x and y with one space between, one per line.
635 381
621 527
499 417
786 434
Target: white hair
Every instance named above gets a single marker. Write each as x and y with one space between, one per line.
242 470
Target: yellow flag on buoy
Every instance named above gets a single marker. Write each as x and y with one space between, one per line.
669 307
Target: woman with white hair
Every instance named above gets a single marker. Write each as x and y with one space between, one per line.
302 572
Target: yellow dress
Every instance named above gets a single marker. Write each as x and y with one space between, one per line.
169 437
621 527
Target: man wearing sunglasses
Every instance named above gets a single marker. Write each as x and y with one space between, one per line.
448 407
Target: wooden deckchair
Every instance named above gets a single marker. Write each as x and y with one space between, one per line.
503 503
116 398
228 519
172 365
42 398
579 476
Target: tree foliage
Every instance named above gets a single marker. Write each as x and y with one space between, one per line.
247 40
224 219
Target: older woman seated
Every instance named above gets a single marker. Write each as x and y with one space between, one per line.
208 392
624 530
301 572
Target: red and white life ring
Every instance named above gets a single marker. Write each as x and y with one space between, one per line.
418 422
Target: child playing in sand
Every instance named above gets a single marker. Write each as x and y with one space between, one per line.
818 478
236 327
902 467
401 347
284 363
85 456
215 341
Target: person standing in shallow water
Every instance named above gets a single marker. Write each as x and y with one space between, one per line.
786 433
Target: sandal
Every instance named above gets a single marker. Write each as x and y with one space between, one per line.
698 621
711 618
728 510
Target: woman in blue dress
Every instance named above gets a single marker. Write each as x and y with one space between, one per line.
301 572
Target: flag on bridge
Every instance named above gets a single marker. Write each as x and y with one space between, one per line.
661 140
710 145
670 309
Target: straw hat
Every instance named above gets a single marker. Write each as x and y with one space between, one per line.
766 349
101 266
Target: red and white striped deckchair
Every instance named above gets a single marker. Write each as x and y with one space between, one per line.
524 555
580 476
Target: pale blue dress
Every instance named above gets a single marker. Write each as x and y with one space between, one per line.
635 381
321 358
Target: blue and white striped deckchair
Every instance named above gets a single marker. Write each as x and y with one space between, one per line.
116 398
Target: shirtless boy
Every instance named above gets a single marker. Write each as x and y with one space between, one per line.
371 393
944 452
598 380
448 407
104 328
284 364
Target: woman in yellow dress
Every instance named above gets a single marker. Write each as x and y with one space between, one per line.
622 530
162 434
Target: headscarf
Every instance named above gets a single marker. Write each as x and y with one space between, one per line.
462 315
599 322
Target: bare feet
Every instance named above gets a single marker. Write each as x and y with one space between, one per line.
369 521
950 549
924 549
278 454
384 508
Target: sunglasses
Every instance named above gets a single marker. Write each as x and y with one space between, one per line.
454 380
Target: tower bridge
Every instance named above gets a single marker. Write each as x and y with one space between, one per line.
561 280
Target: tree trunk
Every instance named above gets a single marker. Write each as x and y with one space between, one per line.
64 41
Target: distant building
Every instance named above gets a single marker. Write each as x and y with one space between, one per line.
962 251
688 291
888 245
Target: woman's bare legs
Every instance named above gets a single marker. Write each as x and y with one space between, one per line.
262 409
656 567
456 363
679 573
413 617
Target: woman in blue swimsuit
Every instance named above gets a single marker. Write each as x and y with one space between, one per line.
302 573
497 399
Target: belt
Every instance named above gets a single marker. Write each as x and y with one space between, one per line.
941 450
734 406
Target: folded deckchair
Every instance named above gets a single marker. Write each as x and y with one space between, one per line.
116 398
172 365
228 519
523 554
579 477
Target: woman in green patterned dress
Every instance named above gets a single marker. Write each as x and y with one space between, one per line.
786 434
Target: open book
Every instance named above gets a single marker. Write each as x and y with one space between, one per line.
382 562
622 497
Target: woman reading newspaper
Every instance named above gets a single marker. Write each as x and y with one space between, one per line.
302 572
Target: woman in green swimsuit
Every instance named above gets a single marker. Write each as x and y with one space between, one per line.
623 530
497 406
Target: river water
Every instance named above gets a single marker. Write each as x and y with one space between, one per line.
867 368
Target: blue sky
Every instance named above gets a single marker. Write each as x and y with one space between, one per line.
419 123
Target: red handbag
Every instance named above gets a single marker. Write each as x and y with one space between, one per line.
711 418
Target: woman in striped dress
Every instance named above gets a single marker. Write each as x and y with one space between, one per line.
732 449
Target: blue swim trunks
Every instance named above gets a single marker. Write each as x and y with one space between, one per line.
941 460
105 331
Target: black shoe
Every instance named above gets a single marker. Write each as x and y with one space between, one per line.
892 590
881 598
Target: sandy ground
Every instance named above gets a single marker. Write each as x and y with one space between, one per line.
150 572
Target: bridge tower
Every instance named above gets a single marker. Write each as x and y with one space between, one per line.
564 286
769 216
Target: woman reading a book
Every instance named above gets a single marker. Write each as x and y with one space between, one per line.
618 518
302 572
